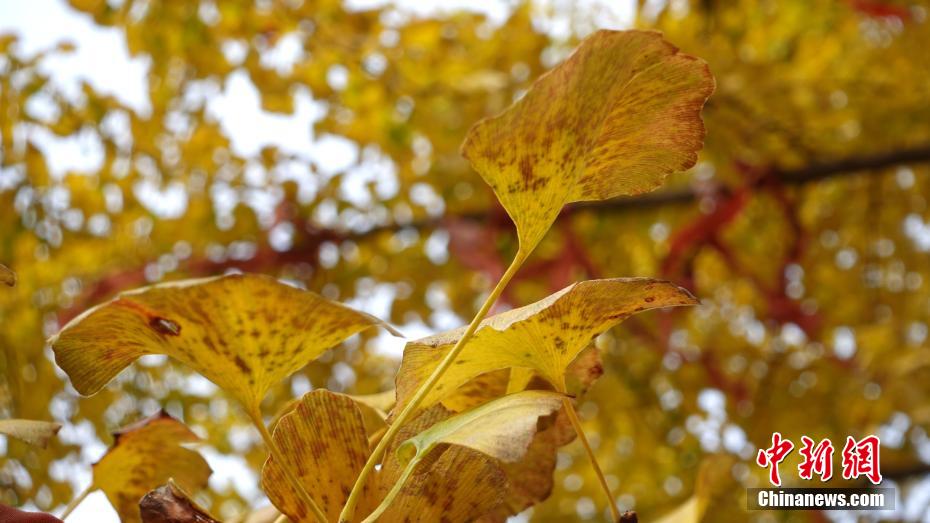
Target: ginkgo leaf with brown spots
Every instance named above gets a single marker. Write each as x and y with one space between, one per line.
545 336
244 332
615 118
325 437
144 456
502 429
33 432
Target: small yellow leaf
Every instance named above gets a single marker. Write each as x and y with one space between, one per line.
145 455
502 428
36 433
7 276
325 441
618 116
244 332
545 336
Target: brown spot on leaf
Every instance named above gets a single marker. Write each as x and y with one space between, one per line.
165 326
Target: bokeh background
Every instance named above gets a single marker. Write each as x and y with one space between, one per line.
144 141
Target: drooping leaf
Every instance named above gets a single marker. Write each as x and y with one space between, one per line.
544 336
450 483
619 115
244 332
171 504
33 432
530 480
145 455
502 428
7 276
325 438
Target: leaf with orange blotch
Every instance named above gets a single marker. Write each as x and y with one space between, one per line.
144 456
7 276
617 117
244 332
33 432
545 336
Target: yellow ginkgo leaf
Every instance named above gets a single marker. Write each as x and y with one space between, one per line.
144 456
619 115
325 440
7 276
171 504
502 429
545 336
244 332
33 432
460 485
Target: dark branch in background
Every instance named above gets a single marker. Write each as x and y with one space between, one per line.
801 176
307 246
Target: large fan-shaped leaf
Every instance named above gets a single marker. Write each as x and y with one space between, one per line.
544 336
619 115
243 332
144 456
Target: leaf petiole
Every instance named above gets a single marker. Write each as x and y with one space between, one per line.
576 423
76 501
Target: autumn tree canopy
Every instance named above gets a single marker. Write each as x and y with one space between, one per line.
802 228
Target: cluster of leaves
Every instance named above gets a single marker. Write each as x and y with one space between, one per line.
776 259
615 118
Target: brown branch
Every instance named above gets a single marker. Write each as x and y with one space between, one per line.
800 176
307 246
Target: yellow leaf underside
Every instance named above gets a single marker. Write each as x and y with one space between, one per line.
33 432
243 332
324 438
502 428
545 336
619 115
